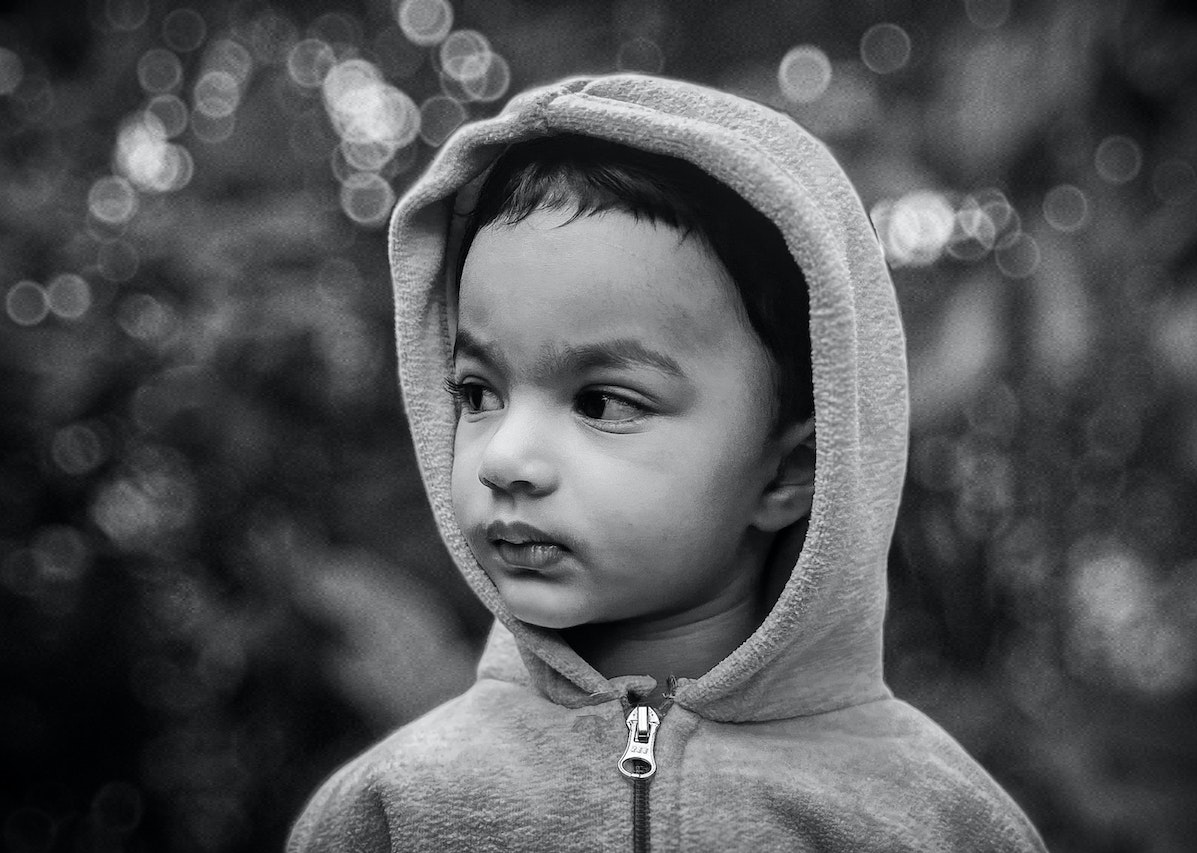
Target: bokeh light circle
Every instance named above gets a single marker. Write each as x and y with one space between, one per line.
112 199
1006 220
493 84
453 88
12 71
915 229
367 198
804 73
1118 159
987 14
309 61
77 449
184 29
885 48
231 57
1066 208
180 168
440 115
465 55
348 76
145 318
159 70
126 15
640 54
170 113
974 234
365 109
217 94
425 22
68 296
148 160
1174 182
26 304
1019 256
61 552
1120 629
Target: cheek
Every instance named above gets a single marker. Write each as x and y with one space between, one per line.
462 479
679 494
711 476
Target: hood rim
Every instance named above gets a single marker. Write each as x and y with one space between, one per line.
586 105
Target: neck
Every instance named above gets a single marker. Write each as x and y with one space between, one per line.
682 645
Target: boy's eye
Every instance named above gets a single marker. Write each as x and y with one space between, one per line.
603 406
473 397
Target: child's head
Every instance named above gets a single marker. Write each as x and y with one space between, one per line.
633 367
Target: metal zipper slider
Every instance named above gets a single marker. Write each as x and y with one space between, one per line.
638 761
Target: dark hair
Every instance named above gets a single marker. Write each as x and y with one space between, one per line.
593 176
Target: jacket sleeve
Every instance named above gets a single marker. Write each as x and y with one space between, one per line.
344 816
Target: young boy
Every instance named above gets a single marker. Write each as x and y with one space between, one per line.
647 296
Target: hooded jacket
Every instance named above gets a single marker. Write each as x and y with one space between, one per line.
793 741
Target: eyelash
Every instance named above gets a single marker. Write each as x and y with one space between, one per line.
640 410
460 393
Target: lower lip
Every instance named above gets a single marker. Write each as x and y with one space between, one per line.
530 555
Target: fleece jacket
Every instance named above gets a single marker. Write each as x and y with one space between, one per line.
793 741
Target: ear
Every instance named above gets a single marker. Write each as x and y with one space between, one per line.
788 497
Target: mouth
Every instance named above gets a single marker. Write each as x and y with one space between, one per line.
523 546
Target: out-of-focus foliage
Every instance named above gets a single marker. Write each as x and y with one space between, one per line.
218 576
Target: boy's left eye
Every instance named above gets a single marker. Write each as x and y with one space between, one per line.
604 406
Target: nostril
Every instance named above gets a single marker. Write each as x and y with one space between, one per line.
515 485
516 458
493 481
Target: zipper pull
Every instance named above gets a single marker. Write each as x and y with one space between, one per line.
638 761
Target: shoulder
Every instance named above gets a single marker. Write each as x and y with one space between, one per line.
951 800
380 799
877 776
358 807
346 813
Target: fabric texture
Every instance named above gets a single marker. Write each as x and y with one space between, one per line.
792 742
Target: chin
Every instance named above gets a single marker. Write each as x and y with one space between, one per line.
541 614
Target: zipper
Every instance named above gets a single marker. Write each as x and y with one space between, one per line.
639 763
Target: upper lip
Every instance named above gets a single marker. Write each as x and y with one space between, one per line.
520 533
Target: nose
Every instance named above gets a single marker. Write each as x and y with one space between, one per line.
516 459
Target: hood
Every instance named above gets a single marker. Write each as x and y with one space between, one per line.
819 649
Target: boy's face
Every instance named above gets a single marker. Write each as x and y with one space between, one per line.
614 439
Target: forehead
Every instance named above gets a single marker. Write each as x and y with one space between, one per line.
550 279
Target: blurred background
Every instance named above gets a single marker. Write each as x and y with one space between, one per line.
218 576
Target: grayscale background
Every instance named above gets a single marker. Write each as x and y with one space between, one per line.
218 576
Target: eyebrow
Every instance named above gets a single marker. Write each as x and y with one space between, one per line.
618 353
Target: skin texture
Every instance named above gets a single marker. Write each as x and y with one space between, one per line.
616 469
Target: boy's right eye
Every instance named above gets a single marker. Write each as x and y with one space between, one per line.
473 397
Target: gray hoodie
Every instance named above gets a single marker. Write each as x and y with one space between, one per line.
793 741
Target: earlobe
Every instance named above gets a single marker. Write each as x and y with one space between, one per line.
788 497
